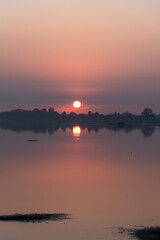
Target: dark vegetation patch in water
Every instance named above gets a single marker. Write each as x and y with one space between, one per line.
147 233
32 140
141 232
34 217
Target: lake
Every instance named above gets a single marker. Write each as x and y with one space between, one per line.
104 179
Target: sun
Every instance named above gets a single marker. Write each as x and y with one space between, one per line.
76 104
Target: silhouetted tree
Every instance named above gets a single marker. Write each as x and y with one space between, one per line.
50 110
35 110
63 114
148 114
89 113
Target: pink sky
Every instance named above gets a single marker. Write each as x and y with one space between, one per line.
105 53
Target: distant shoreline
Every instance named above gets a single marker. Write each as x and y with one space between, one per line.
147 117
48 120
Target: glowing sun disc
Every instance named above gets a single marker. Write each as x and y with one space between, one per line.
76 104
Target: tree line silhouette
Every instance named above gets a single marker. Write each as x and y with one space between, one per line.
50 115
49 121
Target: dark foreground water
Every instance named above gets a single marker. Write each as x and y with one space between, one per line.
105 180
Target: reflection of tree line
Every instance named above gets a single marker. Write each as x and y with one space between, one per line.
49 121
50 128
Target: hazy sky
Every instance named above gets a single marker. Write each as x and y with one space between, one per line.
105 53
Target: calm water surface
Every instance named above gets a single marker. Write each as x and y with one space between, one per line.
104 179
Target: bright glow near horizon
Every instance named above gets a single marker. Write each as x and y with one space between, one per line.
76 104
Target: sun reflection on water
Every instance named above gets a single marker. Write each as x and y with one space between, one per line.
76 132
